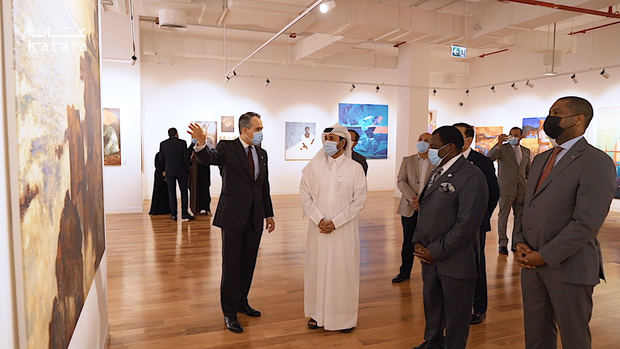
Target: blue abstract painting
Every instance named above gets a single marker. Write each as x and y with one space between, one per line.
370 121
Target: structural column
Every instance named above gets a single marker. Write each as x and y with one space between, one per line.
412 118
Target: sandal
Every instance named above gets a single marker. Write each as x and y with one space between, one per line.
313 325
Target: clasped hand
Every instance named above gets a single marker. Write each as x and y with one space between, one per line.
527 258
326 227
423 253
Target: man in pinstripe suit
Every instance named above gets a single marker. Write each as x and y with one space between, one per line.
244 202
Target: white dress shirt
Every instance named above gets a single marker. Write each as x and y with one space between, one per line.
566 147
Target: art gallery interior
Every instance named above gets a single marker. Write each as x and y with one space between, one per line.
138 67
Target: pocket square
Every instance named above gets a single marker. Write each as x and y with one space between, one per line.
447 187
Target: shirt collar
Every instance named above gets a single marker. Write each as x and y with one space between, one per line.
244 144
569 144
466 153
449 164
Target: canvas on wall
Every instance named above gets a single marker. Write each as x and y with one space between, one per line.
210 128
371 122
486 137
608 138
111 136
300 141
534 138
432 121
61 237
228 124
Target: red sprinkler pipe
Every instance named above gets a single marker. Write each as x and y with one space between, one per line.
400 43
609 13
583 31
492 53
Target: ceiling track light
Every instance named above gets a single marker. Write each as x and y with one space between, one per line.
467 92
574 78
352 87
267 82
327 5
377 89
434 92
493 89
604 74
514 86
529 84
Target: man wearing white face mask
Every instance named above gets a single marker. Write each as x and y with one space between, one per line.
244 203
514 166
333 193
414 172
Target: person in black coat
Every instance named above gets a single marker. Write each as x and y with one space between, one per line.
480 301
357 157
244 203
159 200
174 158
199 184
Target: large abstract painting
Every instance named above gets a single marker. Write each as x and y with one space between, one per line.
300 141
534 137
58 118
608 138
111 136
486 137
371 122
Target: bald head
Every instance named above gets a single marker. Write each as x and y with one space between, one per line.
425 137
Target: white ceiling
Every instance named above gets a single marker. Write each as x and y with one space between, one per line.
358 33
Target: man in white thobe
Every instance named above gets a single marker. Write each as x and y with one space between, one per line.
333 193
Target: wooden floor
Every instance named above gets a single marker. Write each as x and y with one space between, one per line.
164 278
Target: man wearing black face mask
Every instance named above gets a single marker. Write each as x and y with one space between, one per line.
451 208
567 198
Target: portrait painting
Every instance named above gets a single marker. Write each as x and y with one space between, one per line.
228 124
300 141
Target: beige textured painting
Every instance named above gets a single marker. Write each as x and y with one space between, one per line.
58 112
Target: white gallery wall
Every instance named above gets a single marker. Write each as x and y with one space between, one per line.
194 89
507 107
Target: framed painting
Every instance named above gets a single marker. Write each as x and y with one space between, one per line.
111 136
486 137
300 141
370 121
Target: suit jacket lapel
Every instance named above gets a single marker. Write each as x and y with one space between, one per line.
427 191
261 162
569 157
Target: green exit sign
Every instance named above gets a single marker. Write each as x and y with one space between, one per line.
459 51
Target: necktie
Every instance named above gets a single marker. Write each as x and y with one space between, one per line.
251 162
518 154
435 175
548 166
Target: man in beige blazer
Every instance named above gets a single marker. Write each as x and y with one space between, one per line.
414 172
567 198
514 166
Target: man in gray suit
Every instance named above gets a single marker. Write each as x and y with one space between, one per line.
514 166
566 201
412 176
452 206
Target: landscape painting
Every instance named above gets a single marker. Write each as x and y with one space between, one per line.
486 137
111 136
370 121
61 239
534 137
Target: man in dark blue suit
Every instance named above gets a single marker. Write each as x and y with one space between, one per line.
244 203
174 158
485 165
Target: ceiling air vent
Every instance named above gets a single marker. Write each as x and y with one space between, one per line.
171 19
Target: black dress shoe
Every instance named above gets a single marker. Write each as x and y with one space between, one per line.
429 345
188 217
173 217
232 323
477 318
503 250
399 278
249 311
425 345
